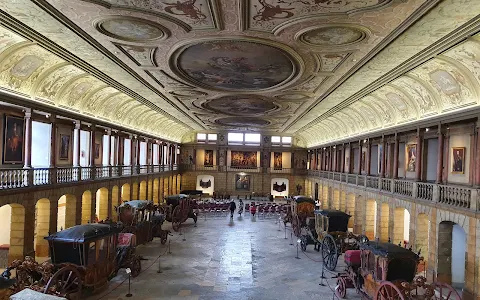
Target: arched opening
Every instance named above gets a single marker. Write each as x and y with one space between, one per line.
371 219
135 191
401 228
179 183
115 203
101 204
451 254
384 222
87 207
343 201
358 225
336 199
42 228
165 187
150 190
422 231
143 191
325 199
125 193
156 190
12 231
66 212
174 184
351 209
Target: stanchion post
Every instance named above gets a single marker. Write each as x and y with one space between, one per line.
297 257
159 268
129 272
285 231
323 276
169 242
279 225
180 230
291 238
184 237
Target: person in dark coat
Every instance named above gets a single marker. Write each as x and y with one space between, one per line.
233 207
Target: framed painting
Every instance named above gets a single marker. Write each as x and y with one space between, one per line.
64 146
277 160
244 159
208 159
458 161
242 182
13 141
97 151
411 161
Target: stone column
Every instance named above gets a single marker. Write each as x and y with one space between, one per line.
419 163
322 160
28 139
109 145
440 155
368 158
92 147
477 155
360 152
137 152
132 151
77 143
350 158
382 158
53 136
395 157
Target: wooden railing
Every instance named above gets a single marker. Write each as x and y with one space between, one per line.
291 171
455 196
23 177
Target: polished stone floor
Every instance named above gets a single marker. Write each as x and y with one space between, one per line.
243 258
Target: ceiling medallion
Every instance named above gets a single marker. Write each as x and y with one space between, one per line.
333 35
131 29
243 122
241 105
236 64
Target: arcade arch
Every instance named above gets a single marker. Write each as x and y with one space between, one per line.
451 254
143 191
66 212
42 227
12 229
125 193
101 204
336 199
385 222
370 219
115 202
87 207
156 190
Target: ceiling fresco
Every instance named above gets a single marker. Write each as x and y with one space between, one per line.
321 70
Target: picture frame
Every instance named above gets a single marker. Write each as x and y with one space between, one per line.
458 160
64 149
97 150
13 143
411 158
208 158
242 182
277 160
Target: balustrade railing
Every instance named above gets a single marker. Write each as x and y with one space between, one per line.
386 184
455 196
403 187
67 174
41 176
13 178
425 191
336 176
372 182
352 178
361 180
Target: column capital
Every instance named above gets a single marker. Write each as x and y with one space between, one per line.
78 124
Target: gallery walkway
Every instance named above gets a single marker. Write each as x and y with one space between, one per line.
219 259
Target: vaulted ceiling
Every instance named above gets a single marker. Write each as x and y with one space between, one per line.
321 70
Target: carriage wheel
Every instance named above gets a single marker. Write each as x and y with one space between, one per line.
445 291
176 218
341 288
303 243
329 253
64 283
388 291
136 266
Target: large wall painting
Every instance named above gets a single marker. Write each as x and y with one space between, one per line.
277 160
13 142
242 182
64 147
244 159
411 158
208 159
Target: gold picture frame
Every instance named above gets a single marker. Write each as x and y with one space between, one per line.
458 160
411 158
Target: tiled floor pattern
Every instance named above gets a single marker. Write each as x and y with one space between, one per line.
243 258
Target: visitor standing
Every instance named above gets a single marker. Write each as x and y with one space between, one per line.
233 207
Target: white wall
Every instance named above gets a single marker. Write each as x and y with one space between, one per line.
209 190
459 141
432 158
406 226
286 160
41 133
127 152
200 157
279 181
105 150
374 160
6 217
155 154
458 256
143 153
84 148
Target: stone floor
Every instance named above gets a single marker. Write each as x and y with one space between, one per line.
243 258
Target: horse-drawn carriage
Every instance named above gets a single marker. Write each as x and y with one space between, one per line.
83 259
137 218
177 209
385 271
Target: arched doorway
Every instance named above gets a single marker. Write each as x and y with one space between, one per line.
135 191
125 192
156 190
150 190
401 226
87 207
351 209
66 212
115 202
336 199
325 200
371 219
101 204
451 254
384 222
343 201
422 232
143 191
42 228
12 232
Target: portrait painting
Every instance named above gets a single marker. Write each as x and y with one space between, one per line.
244 159
279 187
97 150
458 160
411 161
64 146
242 182
208 159
277 160
13 142
364 154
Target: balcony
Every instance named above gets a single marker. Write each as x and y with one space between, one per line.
24 178
450 195
289 171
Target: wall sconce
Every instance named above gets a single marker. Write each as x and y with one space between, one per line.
427 129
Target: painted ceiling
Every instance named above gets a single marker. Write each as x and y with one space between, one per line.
321 70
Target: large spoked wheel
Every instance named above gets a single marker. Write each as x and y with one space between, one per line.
341 288
66 283
445 291
176 218
329 252
388 291
303 243
136 266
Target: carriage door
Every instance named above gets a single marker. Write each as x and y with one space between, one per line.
316 192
